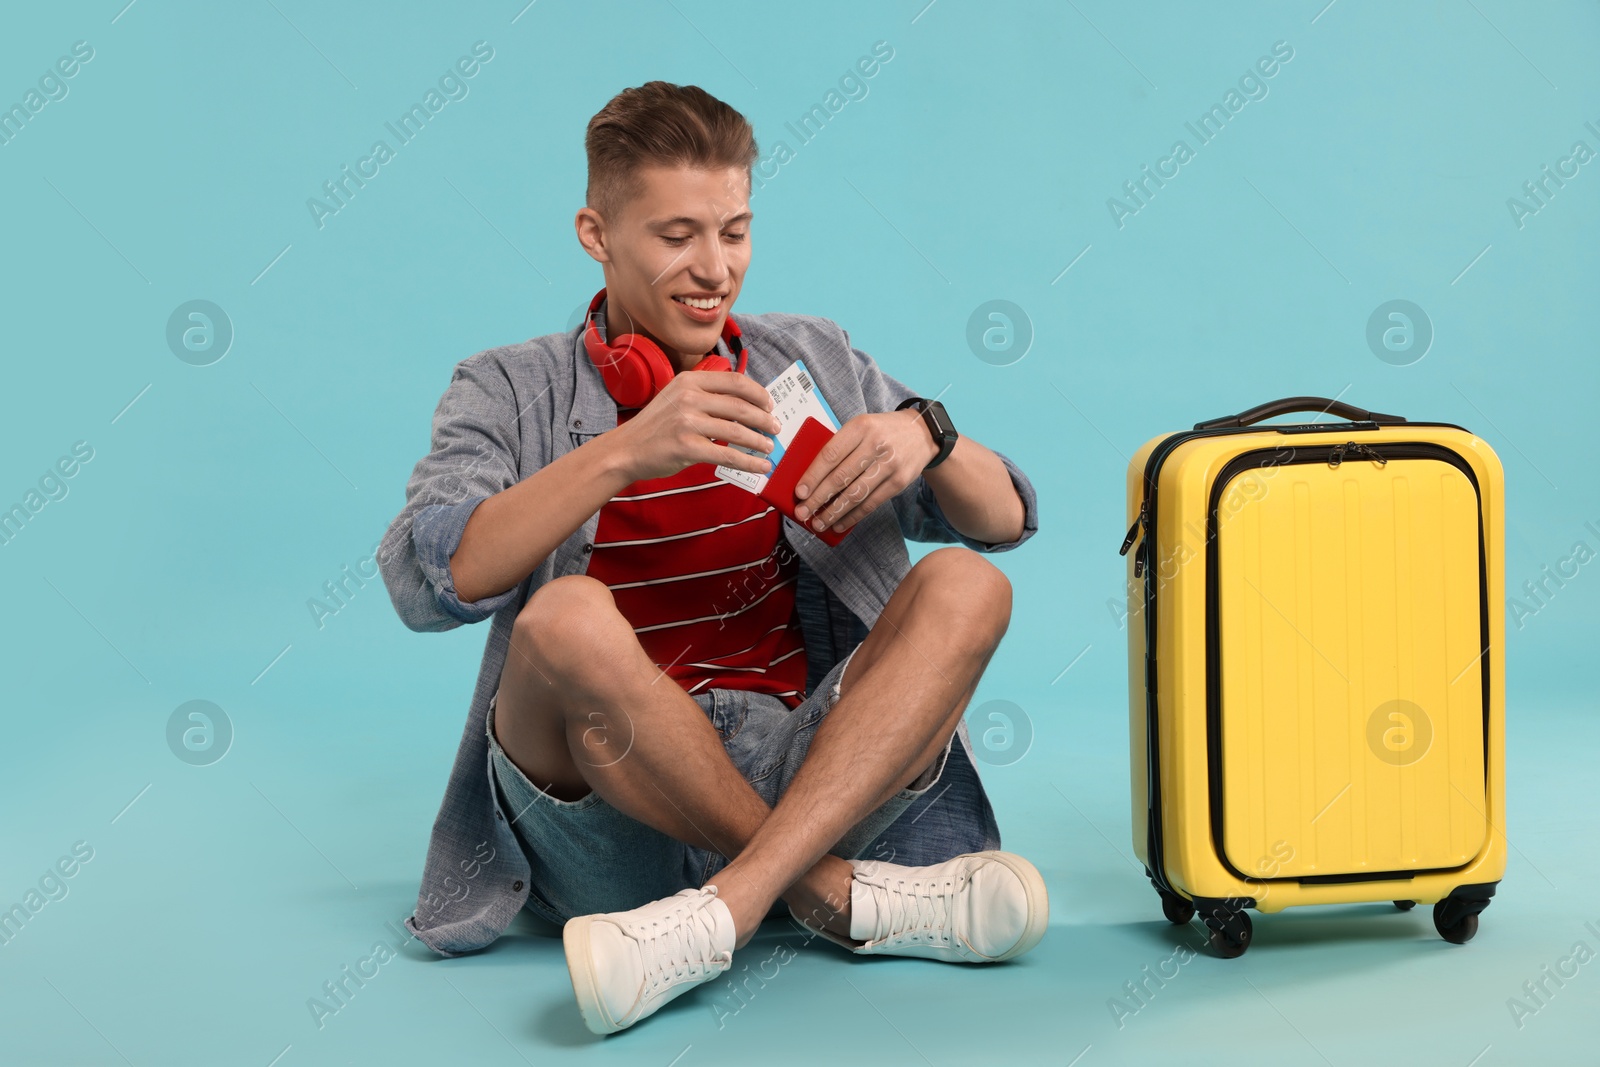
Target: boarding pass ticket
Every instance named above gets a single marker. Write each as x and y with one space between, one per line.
794 396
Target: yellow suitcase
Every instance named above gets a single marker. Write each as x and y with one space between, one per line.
1316 666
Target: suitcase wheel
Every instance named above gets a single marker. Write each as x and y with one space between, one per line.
1230 933
1178 910
1454 926
1405 905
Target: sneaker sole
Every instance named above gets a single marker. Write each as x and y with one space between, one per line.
580 969
1038 901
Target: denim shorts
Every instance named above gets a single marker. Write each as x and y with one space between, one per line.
586 857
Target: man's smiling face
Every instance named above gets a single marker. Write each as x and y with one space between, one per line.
674 257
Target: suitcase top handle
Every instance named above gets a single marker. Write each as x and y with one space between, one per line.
1289 404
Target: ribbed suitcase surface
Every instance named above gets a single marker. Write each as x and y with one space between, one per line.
1348 602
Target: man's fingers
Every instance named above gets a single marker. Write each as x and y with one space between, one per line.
737 384
833 495
849 498
735 409
881 492
732 432
819 483
871 469
722 455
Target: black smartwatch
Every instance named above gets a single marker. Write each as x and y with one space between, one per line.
938 422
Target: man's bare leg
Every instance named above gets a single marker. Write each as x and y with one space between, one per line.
903 695
581 707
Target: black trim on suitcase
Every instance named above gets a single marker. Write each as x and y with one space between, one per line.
1381 451
1346 879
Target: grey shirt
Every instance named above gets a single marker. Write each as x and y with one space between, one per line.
510 411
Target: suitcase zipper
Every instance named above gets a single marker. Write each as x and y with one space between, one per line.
1133 531
1354 448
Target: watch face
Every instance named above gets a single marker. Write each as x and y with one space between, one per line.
933 414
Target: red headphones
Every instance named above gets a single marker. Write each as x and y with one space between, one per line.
634 367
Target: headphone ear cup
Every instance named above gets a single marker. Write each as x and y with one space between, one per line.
633 368
643 370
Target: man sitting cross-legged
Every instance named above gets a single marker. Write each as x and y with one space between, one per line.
703 709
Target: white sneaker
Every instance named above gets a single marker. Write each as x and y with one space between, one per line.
626 964
979 908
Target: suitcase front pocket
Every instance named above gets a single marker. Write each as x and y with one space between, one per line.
1346 631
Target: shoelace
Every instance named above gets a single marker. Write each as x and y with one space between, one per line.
918 909
681 943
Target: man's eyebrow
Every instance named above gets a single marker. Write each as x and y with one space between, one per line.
685 220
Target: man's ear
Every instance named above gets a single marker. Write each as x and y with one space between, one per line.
591 230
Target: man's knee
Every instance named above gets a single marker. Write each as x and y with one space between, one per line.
570 623
965 585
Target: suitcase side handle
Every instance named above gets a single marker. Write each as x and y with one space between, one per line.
1318 404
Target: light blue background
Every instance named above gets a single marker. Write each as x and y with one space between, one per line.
977 167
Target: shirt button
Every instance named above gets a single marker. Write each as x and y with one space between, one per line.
517 885
577 422
587 549
499 816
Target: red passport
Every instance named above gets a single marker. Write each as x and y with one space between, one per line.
779 490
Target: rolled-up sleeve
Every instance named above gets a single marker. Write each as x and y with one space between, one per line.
472 457
917 509
922 519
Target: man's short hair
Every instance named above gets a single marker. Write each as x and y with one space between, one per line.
661 124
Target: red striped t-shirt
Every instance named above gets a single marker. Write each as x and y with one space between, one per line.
700 570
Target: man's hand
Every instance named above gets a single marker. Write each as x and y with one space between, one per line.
867 462
683 424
